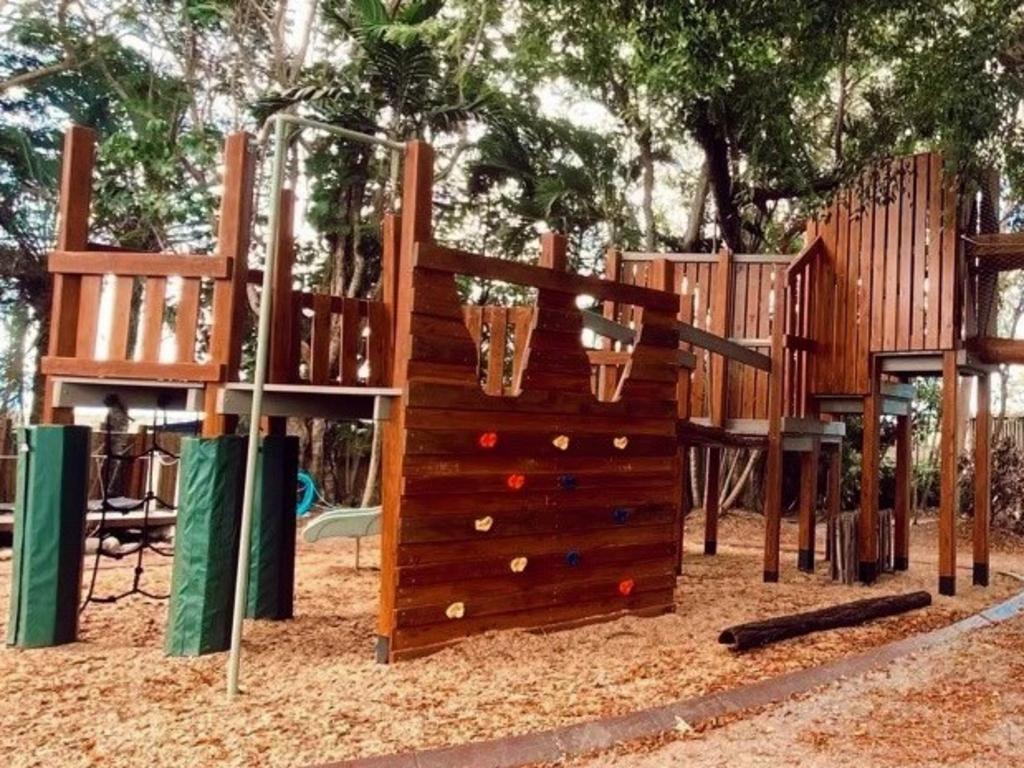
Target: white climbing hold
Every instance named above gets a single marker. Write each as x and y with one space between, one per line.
518 564
483 524
621 442
456 611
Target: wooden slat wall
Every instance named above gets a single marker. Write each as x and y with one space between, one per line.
538 531
892 242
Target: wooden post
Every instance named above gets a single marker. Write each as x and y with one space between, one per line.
947 475
721 311
554 253
417 201
72 235
389 287
773 460
904 493
607 381
982 479
867 529
808 504
835 483
229 303
283 367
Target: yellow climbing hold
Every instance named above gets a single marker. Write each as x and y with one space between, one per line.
483 524
518 564
456 611
621 442
561 442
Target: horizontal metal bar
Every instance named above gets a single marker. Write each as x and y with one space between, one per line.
722 346
602 326
363 138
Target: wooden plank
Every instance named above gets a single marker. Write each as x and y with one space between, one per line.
495 318
722 346
131 369
378 344
229 293
187 321
905 283
283 359
120 321
892 256
950 305
88 316
867 530
151 327
320 340
773 459
879 177
904 493
920 252
934 258
351 336
443 259
141 264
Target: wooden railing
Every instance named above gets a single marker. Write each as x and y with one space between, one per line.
805 321
121 313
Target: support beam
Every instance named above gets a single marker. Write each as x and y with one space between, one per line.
904 494
947 476
835 482
808 503
773 466
712 499
867 530
982 480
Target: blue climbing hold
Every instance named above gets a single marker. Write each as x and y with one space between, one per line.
620 515
572 558
567 482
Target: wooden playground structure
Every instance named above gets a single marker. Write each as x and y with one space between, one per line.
532 481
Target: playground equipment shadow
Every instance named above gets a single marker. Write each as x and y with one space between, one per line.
313 693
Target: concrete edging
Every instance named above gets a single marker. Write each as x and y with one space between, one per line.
596 735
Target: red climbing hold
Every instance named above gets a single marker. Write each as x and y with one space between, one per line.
488 439
626 587
515 481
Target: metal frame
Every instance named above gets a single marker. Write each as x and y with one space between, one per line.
280 123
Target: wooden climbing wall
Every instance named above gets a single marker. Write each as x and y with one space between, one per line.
892 270
546 509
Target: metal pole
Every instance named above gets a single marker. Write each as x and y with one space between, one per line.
256 411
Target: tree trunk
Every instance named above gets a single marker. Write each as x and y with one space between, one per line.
698 203
645 141
716 153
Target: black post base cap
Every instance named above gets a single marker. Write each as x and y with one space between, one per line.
710 547
771 577
805 560
981 574
901 563
383 649
947 585
867 572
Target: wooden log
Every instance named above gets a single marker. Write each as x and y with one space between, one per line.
755 634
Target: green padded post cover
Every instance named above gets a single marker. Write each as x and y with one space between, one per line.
271 587
211 477
49 535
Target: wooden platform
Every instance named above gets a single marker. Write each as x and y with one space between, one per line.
896 401
328 402
79 392
798 434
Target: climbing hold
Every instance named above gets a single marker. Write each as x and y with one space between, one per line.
483 524
518 564
626 587
621 442
572 558
515 481
455 611
488 439
561 442
620 515
567 482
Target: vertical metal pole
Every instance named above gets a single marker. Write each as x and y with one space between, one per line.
255 413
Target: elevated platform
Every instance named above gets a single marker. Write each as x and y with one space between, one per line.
81 392
798 434
326 402
115 520
896 401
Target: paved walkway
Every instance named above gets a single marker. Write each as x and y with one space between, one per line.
961 704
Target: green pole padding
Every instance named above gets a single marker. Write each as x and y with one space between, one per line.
211 477
49 535
271 587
